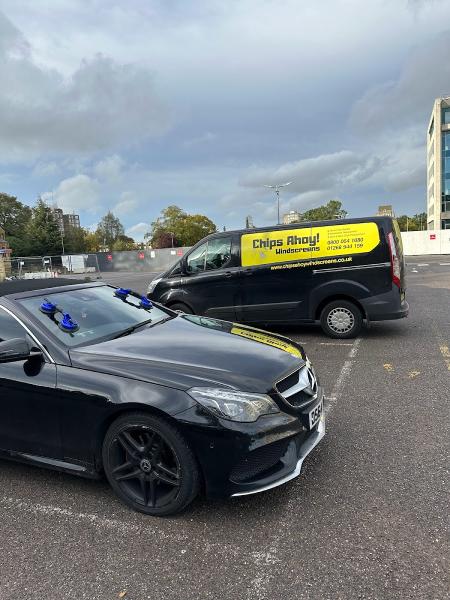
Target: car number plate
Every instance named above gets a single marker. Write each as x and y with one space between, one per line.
315 414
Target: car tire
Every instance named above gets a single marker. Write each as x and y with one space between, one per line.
341 319
149 465
182 308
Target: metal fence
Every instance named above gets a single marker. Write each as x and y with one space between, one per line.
140 260
92 265
45 267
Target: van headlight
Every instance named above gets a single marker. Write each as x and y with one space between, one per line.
152 285
234 405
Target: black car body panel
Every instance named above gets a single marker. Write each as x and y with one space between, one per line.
185 353
57 404
293 291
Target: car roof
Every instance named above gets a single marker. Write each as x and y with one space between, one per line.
18 286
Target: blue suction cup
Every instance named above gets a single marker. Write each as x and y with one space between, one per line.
48 307
145 303
67 324
122 293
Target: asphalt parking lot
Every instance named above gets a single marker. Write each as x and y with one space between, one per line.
367 518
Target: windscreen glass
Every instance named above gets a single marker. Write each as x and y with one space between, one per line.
89 315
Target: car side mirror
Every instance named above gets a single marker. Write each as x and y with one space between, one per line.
15 349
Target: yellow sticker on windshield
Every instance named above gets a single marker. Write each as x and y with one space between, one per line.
282 245
269 340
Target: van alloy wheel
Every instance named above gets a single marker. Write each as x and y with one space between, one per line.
340 320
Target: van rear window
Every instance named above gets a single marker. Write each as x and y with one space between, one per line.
308 243
397 237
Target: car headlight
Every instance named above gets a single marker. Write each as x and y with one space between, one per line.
152 285
234 405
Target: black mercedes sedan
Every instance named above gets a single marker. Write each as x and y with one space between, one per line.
96 379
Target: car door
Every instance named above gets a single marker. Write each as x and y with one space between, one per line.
211 280
29 404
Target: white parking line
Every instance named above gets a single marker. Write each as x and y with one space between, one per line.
7 502
343 376
423 265
334 344
444 264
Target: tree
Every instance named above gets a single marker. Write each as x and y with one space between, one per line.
75 240
332 210
415 223
124 242
43 231
109 230
92 242
14 218
164 239
186 229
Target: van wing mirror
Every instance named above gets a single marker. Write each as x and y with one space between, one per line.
183 267
15 349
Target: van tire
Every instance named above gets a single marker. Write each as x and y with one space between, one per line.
341 319
182 308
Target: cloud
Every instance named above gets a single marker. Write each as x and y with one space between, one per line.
80 192
110 168
138 231
206 138
126 205
409 98
45 169
327 171
100 105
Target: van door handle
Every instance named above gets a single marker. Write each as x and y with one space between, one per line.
247 272
228 274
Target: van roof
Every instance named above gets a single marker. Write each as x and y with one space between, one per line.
302 224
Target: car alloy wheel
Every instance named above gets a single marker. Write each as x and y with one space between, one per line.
149 465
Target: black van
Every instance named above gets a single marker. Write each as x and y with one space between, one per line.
338 272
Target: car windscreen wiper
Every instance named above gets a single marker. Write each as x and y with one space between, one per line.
132 328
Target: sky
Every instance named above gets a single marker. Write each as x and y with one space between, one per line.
132 106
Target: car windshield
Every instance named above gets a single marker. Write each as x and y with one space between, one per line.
95 314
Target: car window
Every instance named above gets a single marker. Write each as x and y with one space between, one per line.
10 328
98 312
195 262
218 254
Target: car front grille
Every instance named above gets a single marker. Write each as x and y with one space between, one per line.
299 388
258 462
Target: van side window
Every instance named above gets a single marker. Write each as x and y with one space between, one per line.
195 262
218 254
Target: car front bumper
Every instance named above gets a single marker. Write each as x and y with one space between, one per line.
295 455
239 459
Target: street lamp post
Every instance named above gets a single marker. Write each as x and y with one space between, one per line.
277 192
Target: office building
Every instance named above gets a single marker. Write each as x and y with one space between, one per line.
293 216
65 221
71 221
385 210
438 166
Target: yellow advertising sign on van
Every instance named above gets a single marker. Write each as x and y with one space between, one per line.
268 247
